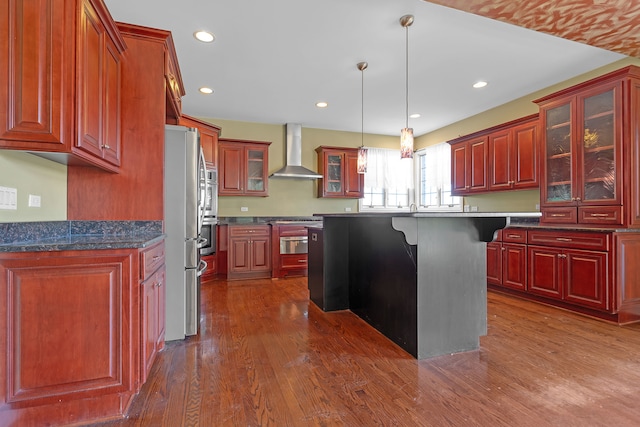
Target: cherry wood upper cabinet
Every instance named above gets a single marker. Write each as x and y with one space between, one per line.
589 150
469 165
209 134
503 157
339 169
243 167
60 68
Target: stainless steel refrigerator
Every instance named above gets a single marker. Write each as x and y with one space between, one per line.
184 194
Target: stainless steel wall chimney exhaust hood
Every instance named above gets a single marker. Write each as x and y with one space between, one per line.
293 167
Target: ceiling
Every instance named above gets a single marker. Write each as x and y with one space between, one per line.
273 60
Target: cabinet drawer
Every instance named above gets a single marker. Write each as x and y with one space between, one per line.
568 215
514 235
604 215
293 261
569 239
150 259
293 230
244 231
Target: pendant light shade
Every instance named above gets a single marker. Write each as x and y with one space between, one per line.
406 134
362 152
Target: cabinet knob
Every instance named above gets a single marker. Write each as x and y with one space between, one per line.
578 199
106 146
504 249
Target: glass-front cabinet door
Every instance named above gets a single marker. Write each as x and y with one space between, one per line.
256 170
559 155
582 150
334 173
600 153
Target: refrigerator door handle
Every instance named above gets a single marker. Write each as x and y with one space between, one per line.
201 242
202 268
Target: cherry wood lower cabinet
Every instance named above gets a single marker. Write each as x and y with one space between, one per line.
507 259
593 272
152 305
71 333
295 261
249 254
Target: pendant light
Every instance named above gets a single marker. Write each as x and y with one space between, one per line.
406 134
362 152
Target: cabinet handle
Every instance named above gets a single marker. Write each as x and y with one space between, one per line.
155 257
558 215
562 256
513 235
578 199
157 284
504 249
106 146
302 260
563 239
598 215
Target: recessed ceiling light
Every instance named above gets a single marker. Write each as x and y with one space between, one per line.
414 116
322 104
204 36
479 84
206 90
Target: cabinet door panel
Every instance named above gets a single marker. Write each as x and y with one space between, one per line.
514 270
494 263
477 165
525 155
37 104
587 278
458 169
149 318
231 170
111 120
544 272
353 181
77 305
90 88
239 255
261 254
500 159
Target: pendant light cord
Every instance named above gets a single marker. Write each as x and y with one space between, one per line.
362 110
407 76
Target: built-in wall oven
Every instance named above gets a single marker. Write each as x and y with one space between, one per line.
208 230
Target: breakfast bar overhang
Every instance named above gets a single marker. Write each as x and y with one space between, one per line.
418 278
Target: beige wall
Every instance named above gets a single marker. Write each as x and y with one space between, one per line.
34 175
291 197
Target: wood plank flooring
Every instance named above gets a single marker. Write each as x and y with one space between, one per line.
266 356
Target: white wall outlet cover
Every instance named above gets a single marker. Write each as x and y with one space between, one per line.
244 209
34 201
347 209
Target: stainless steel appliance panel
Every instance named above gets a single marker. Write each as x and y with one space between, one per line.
293 244
184 180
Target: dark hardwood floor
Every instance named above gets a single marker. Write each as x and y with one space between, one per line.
266 356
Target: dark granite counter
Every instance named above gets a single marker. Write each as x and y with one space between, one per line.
257 220
78 235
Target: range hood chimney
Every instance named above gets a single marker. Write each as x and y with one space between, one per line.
293 167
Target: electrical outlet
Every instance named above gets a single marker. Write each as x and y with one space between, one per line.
537 206
244 209
347 209
474 209
467 208
34 201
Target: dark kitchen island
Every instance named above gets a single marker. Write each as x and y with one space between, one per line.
418 278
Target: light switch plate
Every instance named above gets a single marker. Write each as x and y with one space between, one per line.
34 201
8 198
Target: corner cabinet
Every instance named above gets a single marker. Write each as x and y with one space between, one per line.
339 169
243 167
589 152
67 108
503 157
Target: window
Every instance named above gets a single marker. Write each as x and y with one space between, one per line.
434 179
391 184
389 181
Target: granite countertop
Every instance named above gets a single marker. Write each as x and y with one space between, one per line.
257 220
78 235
